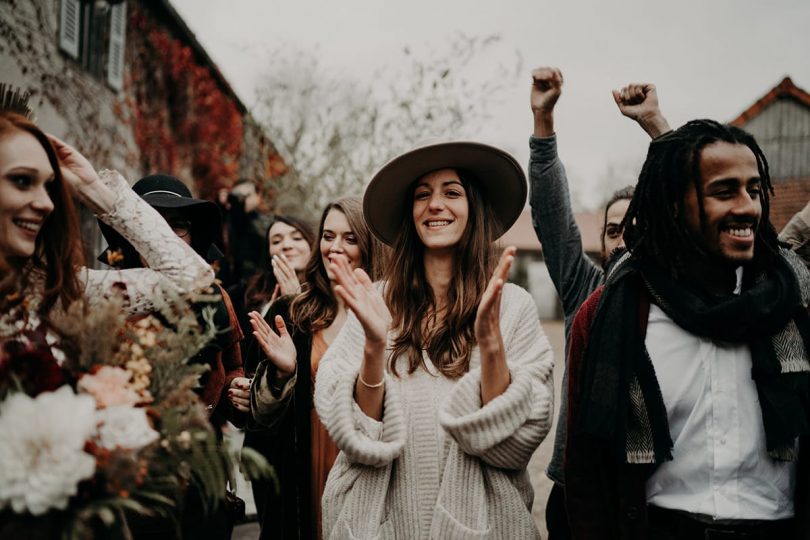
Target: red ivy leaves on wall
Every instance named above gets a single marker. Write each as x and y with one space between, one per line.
181 117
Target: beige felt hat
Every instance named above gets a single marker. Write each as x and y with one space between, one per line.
500 179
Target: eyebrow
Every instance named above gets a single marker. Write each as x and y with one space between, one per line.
444 184
29 170
731 182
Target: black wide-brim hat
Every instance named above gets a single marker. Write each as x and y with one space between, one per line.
164 192
498 175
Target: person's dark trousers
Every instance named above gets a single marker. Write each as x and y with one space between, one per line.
674 525
557 515
197 524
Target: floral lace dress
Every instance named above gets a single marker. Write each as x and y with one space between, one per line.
174 269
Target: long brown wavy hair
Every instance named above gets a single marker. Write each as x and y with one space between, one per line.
58 252
260 287
448 341
316 307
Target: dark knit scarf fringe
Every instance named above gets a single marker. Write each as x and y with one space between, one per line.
622 401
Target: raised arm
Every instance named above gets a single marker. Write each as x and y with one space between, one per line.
639 102
173 267
573 273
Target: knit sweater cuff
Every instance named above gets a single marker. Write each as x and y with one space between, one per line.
362 439
366 425
502 431
543 149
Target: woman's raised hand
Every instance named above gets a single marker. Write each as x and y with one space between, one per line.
363 298
280 348
495 376
285 276
488 318
83 178
75 168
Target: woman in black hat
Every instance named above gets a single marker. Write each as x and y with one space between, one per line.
196 222
223 388
439 387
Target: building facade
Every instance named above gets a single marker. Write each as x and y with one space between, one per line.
780 121
128 84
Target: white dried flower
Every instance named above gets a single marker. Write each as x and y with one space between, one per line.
42 457
126 427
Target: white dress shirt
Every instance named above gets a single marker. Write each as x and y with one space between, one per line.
720 466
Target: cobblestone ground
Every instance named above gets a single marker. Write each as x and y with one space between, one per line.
537 466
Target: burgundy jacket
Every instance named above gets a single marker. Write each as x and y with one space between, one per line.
226 367
609 500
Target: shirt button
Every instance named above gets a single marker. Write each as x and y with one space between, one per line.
723 441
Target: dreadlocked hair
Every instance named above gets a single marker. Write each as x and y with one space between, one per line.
655 227
448 340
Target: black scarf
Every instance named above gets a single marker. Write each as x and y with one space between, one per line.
622 401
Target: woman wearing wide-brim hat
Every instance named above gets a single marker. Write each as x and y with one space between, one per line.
439 387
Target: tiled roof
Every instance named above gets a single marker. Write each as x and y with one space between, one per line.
522 235
786 88
790 193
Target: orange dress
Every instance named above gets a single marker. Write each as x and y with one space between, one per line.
324 451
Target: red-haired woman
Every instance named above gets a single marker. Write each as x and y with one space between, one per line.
439 387
297 444
40 243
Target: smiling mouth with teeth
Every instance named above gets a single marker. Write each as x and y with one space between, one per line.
739 231
441 223
28 225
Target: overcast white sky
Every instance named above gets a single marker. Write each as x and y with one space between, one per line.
709 58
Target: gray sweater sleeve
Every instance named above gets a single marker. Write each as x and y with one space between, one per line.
574 274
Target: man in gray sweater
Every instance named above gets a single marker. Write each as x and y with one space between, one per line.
574 274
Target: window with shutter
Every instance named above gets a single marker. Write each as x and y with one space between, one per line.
94 34
115 59
70 27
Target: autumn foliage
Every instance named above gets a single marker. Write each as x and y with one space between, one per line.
184 123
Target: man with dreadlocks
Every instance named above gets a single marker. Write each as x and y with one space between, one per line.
688 371
574 274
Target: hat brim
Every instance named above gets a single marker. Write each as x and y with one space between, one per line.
499 177
206 221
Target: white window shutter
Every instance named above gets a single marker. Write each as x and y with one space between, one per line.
118 36
70 27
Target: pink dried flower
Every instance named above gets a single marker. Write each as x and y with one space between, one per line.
109 386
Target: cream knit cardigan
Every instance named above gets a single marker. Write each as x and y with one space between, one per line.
439 464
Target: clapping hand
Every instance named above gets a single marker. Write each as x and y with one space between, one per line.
278 348
286 277
488 318
363 298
